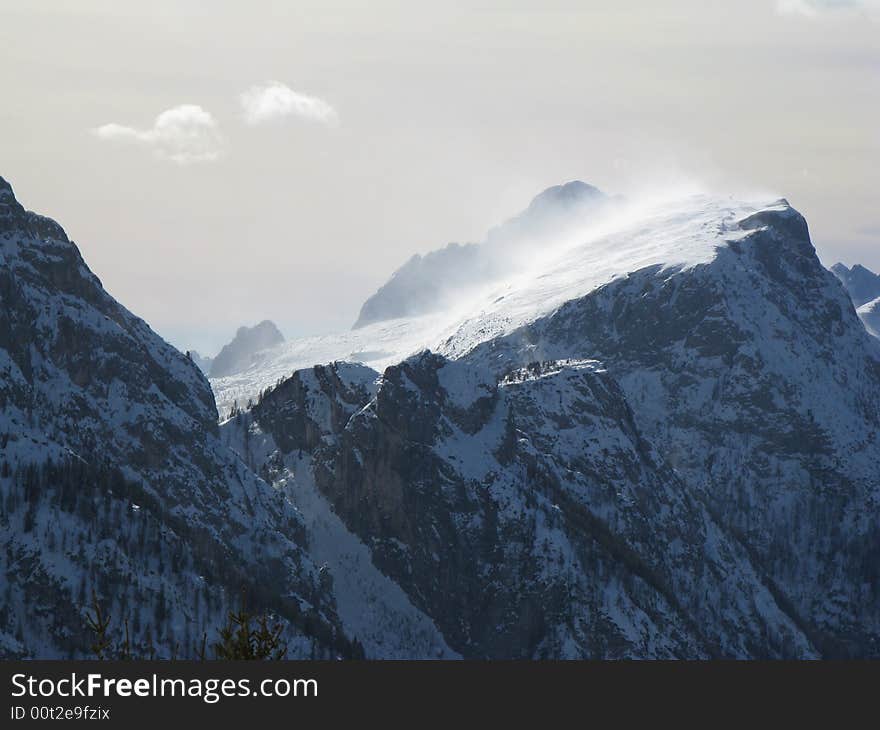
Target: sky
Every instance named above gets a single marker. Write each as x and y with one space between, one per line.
226 162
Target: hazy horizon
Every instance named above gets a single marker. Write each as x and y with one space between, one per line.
276 161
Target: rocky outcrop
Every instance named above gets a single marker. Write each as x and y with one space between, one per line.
526 515
529 518
306 413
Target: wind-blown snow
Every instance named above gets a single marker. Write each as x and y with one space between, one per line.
675 232
870 315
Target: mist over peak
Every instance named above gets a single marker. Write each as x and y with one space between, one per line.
425 284
237 355
571 193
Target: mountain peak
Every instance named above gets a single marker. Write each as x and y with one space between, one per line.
426 284
15 219
785 220
862 284
573 192
238 354
9 206
559 205
5 189
266 327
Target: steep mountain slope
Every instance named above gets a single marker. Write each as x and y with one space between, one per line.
428 283
114 479
753 376
525 515
862 284
307 412
660 442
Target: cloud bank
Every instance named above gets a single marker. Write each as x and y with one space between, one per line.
183 134
274 101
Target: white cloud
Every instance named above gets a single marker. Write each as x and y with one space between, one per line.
274 101
184 134
816 8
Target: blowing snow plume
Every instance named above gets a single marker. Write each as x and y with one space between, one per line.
427 283
571 240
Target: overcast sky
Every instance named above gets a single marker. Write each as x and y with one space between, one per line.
221 163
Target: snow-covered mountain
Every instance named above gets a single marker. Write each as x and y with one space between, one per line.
755 379
114 479
526 515
660 440
667 231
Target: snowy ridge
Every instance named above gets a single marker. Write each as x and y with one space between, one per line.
307 412
673 232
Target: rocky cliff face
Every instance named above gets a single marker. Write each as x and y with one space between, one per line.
526 515
754 378
113 477
291 428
